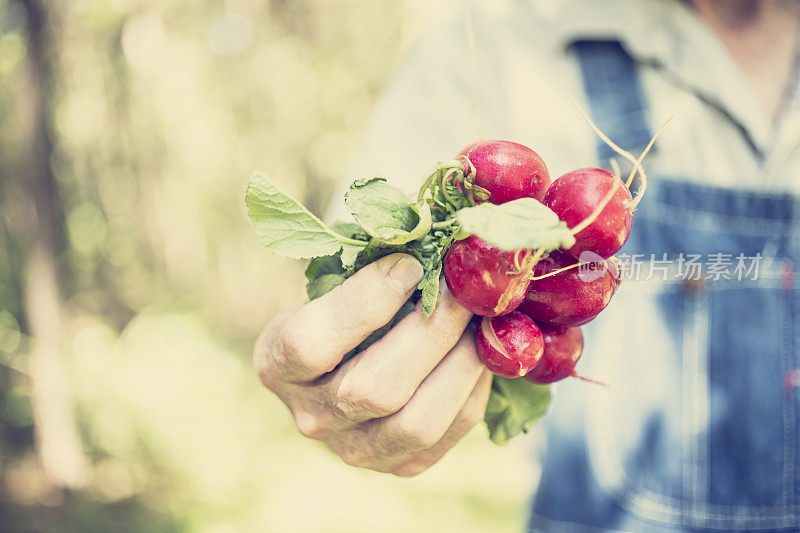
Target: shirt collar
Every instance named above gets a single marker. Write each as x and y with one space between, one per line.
668 35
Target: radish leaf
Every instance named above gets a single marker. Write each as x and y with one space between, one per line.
320 266
432 251
323 284
287 228
386 212
430 289
515 405
521 223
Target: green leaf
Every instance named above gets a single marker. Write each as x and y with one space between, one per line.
319 266
323 284
386 213
350 230
515 405
287 228
521 223
374 251
432 250
349 255
430 289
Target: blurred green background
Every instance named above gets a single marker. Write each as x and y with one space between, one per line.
132 286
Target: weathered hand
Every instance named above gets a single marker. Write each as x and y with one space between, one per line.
397 406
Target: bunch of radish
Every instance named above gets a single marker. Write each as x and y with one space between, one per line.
533 302
513 246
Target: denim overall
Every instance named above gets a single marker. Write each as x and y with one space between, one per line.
702 431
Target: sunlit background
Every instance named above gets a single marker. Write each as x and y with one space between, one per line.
132 286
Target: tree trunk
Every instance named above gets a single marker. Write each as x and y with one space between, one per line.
57 439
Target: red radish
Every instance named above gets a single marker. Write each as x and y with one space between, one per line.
508 170
562 349
509 345
571 297
482 278
576 195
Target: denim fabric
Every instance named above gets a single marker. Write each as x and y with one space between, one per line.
609 67
703 430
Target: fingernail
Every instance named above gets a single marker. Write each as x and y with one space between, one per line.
405 274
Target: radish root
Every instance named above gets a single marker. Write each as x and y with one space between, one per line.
615 169
559 271
637 167
594 381
643 186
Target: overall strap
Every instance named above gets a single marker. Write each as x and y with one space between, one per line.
616 99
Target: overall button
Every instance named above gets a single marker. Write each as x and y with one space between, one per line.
693 285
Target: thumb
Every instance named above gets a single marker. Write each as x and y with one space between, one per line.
325 329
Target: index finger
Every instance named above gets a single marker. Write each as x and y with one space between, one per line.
313 340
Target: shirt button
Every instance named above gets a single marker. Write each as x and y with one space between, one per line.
693 285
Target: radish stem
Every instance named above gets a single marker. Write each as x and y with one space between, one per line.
443 224
426 185
560 270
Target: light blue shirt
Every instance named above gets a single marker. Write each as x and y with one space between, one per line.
525 80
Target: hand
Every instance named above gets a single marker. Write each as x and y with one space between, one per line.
397 406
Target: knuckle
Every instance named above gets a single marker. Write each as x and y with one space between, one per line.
345 407
263 356
355 403
309 426
416 437
262 369
296 352
293 341
353 456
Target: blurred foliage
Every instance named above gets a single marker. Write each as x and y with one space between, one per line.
160 109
